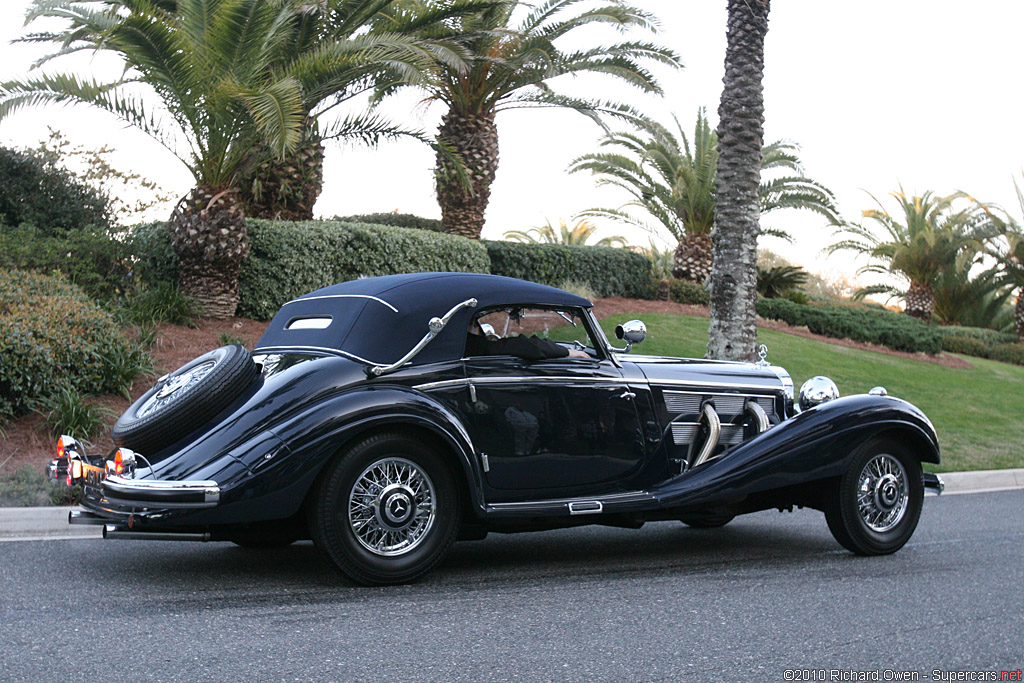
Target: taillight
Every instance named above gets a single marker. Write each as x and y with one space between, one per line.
118 462
60 449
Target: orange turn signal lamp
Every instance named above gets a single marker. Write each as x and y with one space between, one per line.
70 454
123 464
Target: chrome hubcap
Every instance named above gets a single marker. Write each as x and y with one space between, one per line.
175 387
883 493
391 506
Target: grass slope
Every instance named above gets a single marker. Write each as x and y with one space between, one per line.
977 412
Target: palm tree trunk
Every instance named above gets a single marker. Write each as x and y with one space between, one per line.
920 301
474 137
208 234
694 258
283 188
732 333
1018 314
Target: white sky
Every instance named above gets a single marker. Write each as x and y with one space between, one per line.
877 93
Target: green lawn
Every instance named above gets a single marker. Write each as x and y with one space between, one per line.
977 413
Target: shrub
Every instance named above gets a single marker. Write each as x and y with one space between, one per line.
609 271
155 260
29 487
989 337
98 261
52 335
160 302
877 326
969 346
1008 353
578 288
398 220
685 292
796 296
288 259
67 411
35 190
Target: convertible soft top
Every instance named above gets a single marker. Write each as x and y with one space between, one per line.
378 319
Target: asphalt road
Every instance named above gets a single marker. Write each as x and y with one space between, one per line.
767 593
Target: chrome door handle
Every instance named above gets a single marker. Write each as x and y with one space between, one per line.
626 395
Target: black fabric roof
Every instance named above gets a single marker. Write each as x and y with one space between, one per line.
379 319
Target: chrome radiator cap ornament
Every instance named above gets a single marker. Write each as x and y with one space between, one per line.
878 391
817 390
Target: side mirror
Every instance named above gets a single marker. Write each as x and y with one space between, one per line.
632 332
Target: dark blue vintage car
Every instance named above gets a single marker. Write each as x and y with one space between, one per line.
387 417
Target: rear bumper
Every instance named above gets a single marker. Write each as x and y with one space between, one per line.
160 494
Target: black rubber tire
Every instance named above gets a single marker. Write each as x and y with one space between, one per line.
328 516
842 514
189 408
710 521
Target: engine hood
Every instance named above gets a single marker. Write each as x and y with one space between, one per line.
709 373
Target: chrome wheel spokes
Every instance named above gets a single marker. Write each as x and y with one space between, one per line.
883 493
175 387
391 506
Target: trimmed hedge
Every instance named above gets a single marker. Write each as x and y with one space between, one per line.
398 220
895 330
685 292
608 271
1008 353
288 259
988 337
52 334
969 346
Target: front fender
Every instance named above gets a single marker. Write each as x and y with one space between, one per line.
816 444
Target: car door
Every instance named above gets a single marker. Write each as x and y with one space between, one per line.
556 426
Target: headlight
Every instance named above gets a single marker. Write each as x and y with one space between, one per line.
817 390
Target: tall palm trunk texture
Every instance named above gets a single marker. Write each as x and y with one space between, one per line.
283 188
475 139
732 333
1018 314
694 258
208 235
920 301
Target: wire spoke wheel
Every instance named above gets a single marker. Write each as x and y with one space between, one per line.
391 507
877 502
386 510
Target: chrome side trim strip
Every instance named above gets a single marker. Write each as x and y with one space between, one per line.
728 385
569 504
448 383
323 349
343 296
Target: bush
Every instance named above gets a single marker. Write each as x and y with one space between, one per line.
685 292
398 220
876 326
969 346
36 191
68 412
989 337
51 336
160 302
29 487
608 271
1008 353
288 259
98 261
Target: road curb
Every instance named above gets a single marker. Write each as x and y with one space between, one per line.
51 523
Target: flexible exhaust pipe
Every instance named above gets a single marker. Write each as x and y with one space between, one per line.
714 433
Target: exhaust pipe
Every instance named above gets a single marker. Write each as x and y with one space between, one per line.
117 531
714 432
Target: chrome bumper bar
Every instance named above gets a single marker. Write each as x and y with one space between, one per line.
164 494
933 482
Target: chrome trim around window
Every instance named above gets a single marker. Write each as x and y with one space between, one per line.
342 296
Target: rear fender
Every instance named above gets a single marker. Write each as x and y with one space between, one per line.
816 444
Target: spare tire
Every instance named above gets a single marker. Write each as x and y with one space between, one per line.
186 399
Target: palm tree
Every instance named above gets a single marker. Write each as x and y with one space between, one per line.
511 64
579 234
978 301
1008 250
731 331
336 49
674 182
932 237
775 281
